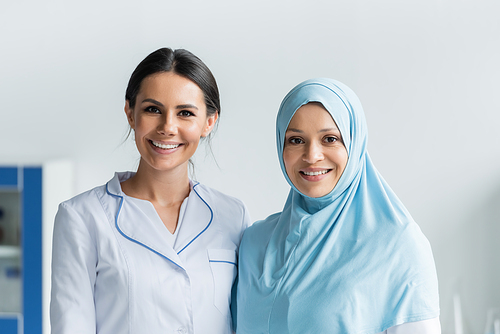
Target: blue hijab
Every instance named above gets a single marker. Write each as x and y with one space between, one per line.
353 261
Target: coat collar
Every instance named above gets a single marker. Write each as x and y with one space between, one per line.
136 225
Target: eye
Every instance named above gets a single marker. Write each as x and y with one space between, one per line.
186 113
331 139
152 109
295 141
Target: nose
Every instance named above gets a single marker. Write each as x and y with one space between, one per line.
313 153
167 125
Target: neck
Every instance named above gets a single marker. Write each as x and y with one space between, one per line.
163 187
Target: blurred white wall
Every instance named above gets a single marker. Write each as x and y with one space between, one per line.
426 71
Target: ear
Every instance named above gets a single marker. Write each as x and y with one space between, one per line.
211 120
130 115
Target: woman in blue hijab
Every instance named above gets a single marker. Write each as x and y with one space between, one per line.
344 256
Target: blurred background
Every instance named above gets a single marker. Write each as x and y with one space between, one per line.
426 71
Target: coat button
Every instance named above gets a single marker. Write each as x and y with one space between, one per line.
182 330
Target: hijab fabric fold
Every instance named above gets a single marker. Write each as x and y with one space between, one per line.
353 261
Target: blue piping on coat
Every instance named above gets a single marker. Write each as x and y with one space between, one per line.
210 222
218 261
140 243
127 237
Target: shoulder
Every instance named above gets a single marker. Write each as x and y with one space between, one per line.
88 208
256 239
413 246
75 221
104 197
230 214
218 200
261 230
83 201
215 195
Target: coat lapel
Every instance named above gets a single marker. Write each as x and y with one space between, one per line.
141 225
197 219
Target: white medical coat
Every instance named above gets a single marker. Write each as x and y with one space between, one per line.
113 273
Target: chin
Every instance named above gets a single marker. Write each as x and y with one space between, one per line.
316 192
313 193
318 195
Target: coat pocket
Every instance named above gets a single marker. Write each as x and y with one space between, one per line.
223 264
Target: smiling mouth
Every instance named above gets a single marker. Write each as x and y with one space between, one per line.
164 147
315 173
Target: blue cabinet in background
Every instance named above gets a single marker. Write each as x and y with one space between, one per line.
20 250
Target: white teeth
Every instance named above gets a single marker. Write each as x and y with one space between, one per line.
316 173
165 147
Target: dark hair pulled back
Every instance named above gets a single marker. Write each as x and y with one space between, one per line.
181 62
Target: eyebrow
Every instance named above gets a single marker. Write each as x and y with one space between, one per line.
186 106
322 130
180 106
158 103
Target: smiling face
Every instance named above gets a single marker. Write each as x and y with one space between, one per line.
314 153
168 119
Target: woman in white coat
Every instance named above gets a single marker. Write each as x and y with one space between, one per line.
152 251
